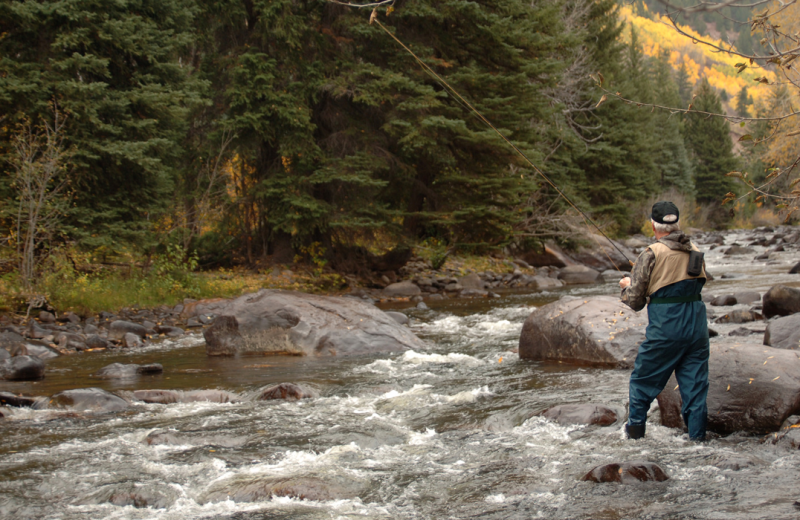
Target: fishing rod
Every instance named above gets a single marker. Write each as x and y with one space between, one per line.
460 99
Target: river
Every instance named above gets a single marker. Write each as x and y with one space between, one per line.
448 432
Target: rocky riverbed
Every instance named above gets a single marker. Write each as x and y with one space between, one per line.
452 423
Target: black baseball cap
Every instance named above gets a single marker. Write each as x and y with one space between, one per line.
665 212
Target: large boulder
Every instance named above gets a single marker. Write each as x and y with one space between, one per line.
598 331
88 399
17 345
603 254
550 255
781 300
568 414
626 473
402 289
119 328
578 274
296 323
22 368
544 282
784 333
472 281
752 388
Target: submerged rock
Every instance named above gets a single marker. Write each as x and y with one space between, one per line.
22 368
250 489
752 388
626 473
121 371
284 391
597 331
567 414
286 322
190 396
88 399
781 300
784 333
17 401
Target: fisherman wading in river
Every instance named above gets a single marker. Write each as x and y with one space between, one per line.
672 276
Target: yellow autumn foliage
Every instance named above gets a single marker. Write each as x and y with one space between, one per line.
701 60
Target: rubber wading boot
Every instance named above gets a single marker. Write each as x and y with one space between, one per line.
635 431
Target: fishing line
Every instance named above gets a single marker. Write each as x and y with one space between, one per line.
460 99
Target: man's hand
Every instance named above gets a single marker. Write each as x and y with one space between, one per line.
625 282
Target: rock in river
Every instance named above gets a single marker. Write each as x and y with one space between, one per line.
626 473
22 368
781 300
284 391
567 414
598 331
752 388
119 328
121 371
88 399
784 333
578 274
296 323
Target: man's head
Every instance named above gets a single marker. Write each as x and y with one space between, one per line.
664 217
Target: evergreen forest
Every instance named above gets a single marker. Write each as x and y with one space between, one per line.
251 132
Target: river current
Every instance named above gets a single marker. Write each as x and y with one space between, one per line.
451 431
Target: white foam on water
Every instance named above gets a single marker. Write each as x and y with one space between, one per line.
495 499
468 396
417 358
419 439
498 327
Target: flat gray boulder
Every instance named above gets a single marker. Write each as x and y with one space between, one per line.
784 333
286 322
578 274
544 282
88 399
402 289
119 328
752 388
596 331
602 255
472 281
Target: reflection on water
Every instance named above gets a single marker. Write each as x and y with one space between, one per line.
448 432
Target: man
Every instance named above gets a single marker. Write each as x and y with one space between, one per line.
677 335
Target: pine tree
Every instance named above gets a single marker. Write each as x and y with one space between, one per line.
620 167
684 86
672 158
340 133
742 101
114 70
712 149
